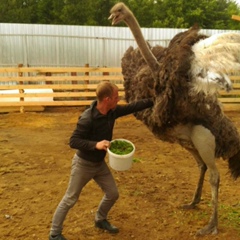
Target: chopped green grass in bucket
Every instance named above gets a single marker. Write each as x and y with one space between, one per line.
121 147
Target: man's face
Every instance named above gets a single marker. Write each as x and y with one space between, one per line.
112 101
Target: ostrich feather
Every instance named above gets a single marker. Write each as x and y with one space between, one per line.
214 58
229 37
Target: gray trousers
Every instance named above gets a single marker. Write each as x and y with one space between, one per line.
81 173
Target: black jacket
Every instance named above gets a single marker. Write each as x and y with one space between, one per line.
93 127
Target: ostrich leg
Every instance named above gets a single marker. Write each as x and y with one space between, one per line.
211 227
198 192
204 143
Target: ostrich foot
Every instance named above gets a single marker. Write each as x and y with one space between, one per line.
188 206
211 228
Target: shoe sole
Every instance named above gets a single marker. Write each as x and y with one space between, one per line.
105 230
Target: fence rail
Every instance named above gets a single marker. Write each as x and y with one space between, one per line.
25 87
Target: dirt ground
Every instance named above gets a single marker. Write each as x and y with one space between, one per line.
34 172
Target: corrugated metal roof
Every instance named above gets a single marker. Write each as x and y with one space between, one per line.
63 45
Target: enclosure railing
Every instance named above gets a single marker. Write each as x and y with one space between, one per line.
231 100
54 86
24 87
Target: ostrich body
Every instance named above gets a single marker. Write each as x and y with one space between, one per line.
183 79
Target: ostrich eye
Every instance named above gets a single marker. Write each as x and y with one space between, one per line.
119 10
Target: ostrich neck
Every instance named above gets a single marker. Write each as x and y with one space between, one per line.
142 44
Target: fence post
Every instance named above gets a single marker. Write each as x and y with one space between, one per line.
48 74
87 73
21 90
74 82
105 73
74 74
87 81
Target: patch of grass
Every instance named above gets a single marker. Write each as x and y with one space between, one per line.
137 160
230 216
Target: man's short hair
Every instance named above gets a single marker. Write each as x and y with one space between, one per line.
105 89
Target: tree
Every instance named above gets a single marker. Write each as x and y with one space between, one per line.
17 11
79 12
209 14
49 11
102 8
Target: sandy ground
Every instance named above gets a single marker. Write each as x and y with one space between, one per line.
34 172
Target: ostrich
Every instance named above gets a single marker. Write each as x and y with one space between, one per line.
184 79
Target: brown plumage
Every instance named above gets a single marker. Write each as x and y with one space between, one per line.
186 108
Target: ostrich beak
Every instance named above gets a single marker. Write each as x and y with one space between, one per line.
114 19
111 17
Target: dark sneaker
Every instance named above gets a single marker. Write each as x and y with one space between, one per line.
104 224
58 237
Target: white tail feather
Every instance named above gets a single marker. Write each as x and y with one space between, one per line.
215 58
216 39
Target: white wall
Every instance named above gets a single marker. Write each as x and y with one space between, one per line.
62 45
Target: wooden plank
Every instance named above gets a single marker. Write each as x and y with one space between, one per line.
234 78
229 100
231 107
52 103
233 92
235 17
62 78
59 69
33 106
236 85
56 86
54 94
26 109
71 78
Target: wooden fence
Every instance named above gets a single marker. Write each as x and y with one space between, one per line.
231 100
32 87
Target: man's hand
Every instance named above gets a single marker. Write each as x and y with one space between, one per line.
103 145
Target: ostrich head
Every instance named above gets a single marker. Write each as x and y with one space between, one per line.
120 12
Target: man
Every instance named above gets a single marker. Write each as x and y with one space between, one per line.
91 138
